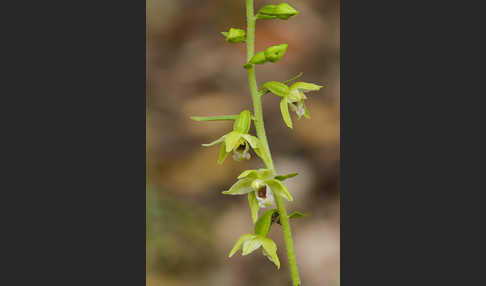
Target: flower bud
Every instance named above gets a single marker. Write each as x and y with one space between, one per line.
235 35
282 11
258 58
275 53
243 122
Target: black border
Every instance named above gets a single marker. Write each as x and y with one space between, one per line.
76 80
409 133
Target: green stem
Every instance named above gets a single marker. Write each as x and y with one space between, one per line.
289 244
260 130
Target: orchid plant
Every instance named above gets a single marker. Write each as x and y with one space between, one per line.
263 187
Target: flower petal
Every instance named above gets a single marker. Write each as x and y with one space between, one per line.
270 251
264 173
260 154
279 188
241 187
294 96
250 174
277 88
243 122
252 200
231 140
306 112
239 243
284 108
222 153
219 140
252 244
261 173
305 87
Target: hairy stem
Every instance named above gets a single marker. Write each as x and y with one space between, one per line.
260 130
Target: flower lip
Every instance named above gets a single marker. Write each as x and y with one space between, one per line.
241 147
265 197
242 152
262 192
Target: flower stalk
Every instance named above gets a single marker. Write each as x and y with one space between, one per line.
261 134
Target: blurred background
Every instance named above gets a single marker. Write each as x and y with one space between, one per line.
192 71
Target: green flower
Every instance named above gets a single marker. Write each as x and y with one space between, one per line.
271 54
251 242
260 185
282 11
292 98
238 141
235 35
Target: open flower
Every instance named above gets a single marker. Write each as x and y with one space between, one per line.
295 101
292 98
251 242
261 187
238 141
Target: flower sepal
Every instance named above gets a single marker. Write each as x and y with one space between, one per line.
277 88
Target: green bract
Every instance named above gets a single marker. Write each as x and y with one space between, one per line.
260 185
298 215
235 35
251 242
282 11
214 118
238 141
262 226
292 98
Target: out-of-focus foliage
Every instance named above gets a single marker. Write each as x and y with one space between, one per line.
172 230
